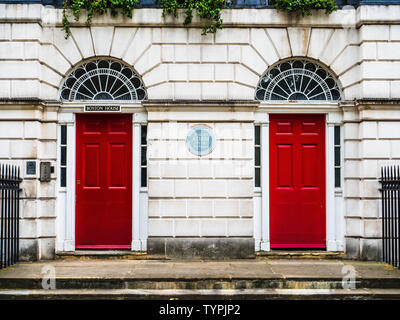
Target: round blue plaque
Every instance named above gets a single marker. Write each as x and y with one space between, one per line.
200 140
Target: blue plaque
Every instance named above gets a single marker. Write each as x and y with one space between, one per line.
200 140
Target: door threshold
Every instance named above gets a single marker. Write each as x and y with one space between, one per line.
301 254
101 254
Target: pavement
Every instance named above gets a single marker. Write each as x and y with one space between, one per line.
258 278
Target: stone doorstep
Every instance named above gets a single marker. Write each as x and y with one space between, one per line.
133 255
101 254
273 279
200 283
244 294
297 254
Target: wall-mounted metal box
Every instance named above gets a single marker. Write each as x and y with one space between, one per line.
45 172
31 167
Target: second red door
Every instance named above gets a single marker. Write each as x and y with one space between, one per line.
297 181
103 181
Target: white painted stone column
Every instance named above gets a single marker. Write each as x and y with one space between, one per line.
330 187
69 242
339 200
136 243
265 243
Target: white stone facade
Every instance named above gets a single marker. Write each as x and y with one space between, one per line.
195 197
29 132
211 197
370 142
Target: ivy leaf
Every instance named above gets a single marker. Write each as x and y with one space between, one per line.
305 6
209 11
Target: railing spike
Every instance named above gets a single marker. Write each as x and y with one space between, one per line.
9 217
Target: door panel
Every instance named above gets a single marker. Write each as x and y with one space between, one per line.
285 170
92 162
297 181
117 154
309 157
103 181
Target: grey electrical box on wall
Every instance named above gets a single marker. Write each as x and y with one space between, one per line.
45 172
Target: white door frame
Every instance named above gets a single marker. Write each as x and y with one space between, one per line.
334 199
66 196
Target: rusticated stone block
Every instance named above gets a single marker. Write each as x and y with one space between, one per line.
204 248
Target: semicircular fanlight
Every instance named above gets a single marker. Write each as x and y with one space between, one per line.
103 80
298 80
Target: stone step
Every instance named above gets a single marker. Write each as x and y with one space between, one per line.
297 254
193 294
101 254
237 275
203 283
132 255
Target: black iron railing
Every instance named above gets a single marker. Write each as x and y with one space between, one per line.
9 214
390 180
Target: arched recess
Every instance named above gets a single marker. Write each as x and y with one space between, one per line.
298 79
103 79
286 87
93 82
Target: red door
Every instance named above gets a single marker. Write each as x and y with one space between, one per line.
297 181
103 181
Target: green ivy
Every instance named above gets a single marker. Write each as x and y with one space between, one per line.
95 7
208 10
305 6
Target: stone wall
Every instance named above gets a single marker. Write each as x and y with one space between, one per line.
371 141
200 201
28 133
180 63
187 197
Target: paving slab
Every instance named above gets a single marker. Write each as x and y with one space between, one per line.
140 269
374 270
308 269
173 274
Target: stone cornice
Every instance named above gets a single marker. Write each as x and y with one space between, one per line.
48 16
29 101
230 103
377 101
370 102
196 105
